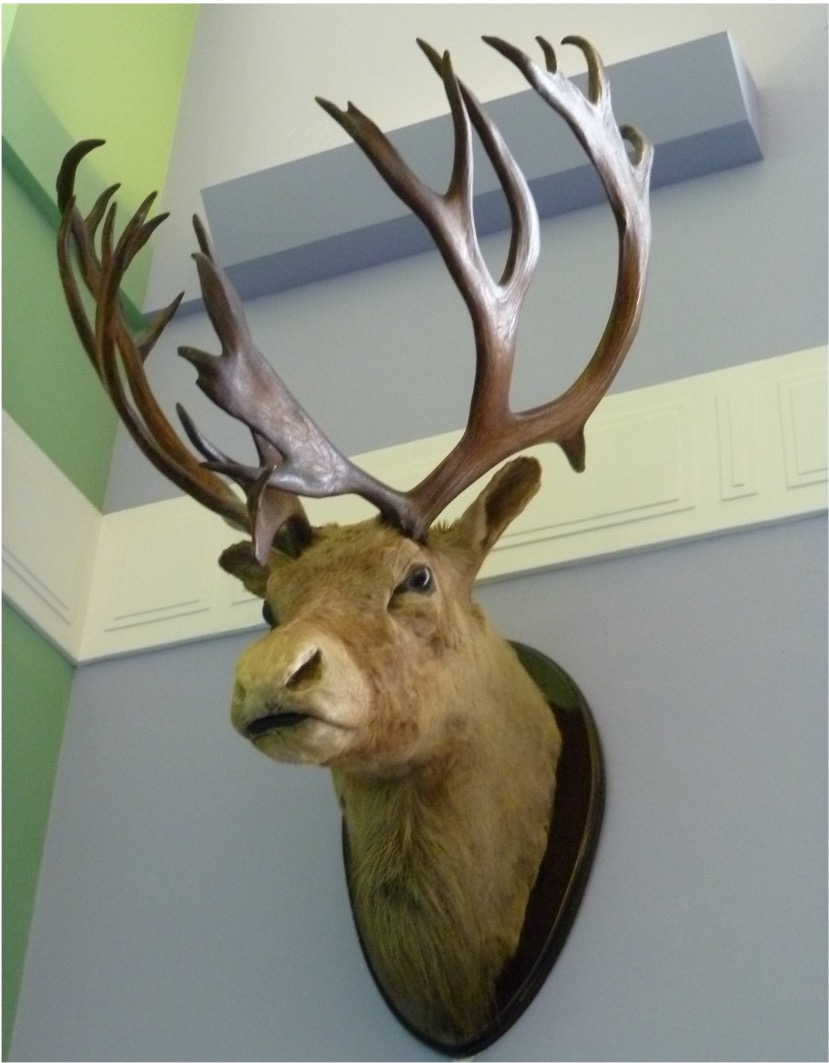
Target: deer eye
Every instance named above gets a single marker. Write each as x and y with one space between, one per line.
268 616
419 580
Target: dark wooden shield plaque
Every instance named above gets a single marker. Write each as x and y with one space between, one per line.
562 877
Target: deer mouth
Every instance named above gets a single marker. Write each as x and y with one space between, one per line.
275 721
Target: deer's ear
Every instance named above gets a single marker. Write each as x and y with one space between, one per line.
240 562
500 502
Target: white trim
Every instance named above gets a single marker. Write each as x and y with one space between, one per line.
700 456
50 538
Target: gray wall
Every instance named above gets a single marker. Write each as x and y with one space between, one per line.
192 903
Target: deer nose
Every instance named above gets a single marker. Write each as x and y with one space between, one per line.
271 673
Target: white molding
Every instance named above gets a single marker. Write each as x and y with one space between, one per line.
708 454
50 538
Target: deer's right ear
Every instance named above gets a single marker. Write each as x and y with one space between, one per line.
500 502
240 562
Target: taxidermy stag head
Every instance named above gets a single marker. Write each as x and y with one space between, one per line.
468 770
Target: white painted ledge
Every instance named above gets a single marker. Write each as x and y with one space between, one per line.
708 454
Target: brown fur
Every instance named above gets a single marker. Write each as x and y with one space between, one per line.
443 751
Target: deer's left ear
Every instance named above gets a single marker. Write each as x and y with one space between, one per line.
240 562
500 502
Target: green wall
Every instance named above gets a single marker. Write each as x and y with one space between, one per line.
49 388
69 72
113 71
9 12
36 685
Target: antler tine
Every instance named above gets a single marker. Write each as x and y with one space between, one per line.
626 179
109 339
524 239
270 510
434 210
450 219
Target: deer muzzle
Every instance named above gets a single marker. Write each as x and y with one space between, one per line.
298 687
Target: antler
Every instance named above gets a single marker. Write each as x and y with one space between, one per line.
112 349
493 431
295 457
244 384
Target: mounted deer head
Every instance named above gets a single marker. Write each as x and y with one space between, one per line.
468 770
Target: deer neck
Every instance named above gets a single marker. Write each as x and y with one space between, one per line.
442 860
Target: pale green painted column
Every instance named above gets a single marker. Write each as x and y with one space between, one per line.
70 71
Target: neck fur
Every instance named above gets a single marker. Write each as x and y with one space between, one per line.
443 860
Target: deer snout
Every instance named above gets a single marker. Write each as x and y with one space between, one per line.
290 678
268 676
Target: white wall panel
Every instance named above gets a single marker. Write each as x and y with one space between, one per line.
695 457
50 538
